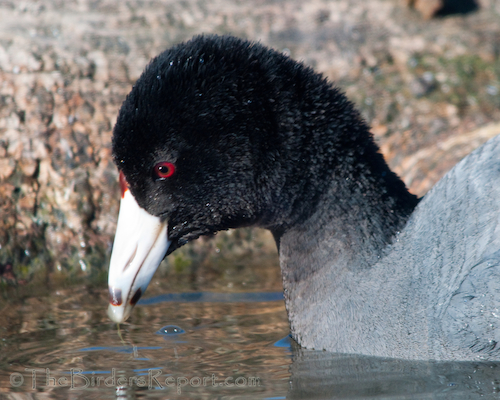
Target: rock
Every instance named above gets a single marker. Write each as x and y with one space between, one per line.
65 69
428 8
433 8
7 166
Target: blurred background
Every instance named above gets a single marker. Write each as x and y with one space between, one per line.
424 73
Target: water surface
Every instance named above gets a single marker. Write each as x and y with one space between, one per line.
200 345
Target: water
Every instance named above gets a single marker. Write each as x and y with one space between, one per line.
217 349
200 345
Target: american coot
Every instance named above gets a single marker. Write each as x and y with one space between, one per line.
220 133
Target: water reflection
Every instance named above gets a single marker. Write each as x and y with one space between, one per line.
210 297
317 375
170 348
189 346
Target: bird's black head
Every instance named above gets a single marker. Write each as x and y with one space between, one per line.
199 138
222 133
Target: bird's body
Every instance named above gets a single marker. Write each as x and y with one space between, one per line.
221 133
434 293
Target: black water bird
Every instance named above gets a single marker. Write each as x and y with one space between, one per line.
221 133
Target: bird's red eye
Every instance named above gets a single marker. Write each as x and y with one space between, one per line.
163 170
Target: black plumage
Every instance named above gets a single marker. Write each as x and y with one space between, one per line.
258 139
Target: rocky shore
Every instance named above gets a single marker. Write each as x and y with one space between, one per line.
430 88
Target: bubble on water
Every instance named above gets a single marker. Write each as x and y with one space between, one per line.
169 330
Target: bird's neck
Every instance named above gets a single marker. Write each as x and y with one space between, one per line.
326 260
355 218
